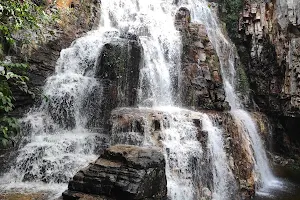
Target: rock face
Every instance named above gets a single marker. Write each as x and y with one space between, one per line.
132 125
270 35
135 125
201 85
239 153
125 172
122 172
42 54
118 70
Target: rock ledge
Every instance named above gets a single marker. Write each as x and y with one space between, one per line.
122 172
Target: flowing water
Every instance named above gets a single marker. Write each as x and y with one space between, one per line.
203 13
153 21
194 169
224 181
58 144
183 154
187 166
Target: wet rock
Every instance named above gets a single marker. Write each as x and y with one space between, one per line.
240 153
118 68
23 196
73 195
132 125
270 48
201 85
123 172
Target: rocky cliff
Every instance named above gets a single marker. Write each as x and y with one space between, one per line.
43 50
268 44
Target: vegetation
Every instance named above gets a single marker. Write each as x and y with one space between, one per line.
14 16
24 24
243 84
230 12
8 78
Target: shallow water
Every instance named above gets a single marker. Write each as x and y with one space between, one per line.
289 190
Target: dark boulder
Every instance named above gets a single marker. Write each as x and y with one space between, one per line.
122 172
118 69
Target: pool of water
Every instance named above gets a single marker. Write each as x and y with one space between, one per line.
288 189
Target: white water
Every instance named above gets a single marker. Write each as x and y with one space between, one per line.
153 22
183 154
56 144
202 13
188 168
224 181
264 177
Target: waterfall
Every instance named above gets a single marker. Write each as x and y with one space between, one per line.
265 177
56 143
224 181
153 22
203 13
183 154
196 162
186 173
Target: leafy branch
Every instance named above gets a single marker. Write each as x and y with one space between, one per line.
15 15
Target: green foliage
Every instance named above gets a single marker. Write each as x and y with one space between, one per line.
8 77
15 15
230 10
243 83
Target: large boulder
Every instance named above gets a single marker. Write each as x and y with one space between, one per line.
122 172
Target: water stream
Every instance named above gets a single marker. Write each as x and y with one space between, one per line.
56 143
153 22
203 14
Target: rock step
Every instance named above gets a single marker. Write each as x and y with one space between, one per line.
123 172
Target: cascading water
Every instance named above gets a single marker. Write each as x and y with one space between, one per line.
186 163
183 154
224 181
203 14
57 143
153 22
266 177
196 162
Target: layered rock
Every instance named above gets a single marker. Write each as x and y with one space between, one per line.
122 172
132 125
137 126
201 85
118 70
240 155
270 33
